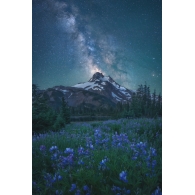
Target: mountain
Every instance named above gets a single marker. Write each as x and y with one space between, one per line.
106 86
100 91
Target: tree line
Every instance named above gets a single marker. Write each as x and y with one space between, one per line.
44 118
142 104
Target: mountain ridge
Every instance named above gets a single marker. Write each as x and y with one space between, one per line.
99 91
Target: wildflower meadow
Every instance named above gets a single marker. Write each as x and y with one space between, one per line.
114 157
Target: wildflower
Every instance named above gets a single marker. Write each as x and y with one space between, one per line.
102 165
78 192
68 151
97 133
153 151
144 152
42 148
157 191
63 161
153 163
53 148
119 191
134 158
91 146
58 192
59 177
85 188
115 189
80 162
73 187
35 186
49 180
54 156
123 176
82 151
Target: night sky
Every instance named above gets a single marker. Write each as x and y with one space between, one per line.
73 39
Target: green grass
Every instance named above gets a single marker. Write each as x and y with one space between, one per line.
116 141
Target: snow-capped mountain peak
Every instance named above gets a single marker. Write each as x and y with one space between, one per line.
96 76
106 86
99 92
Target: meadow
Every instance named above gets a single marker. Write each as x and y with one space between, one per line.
114 157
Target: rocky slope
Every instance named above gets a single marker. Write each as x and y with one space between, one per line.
99 91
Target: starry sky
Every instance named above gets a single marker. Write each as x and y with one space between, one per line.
73 39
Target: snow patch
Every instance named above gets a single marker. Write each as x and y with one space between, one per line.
69 95
89 85
105 79
122 88
64 91
84 85
115 96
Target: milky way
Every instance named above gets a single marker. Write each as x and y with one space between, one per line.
73 39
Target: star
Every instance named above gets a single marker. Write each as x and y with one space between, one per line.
110 38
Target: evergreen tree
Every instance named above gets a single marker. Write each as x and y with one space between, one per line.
159 105
65 112
43 116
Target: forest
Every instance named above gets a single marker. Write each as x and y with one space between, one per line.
143 104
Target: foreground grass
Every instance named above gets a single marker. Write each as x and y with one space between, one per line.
111 157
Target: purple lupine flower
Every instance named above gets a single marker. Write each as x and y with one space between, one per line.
157 191
63 161
141 145
35 186
134 158
42 148
86 189
148 158
58 192
81 150
80 162
153 163
70 158
54 156
53 148
102 165
115 189
119 140
123 176
68 151
73 187
91 146
49 179
153 151
119 191
97 133
59 177
144 152
78 192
